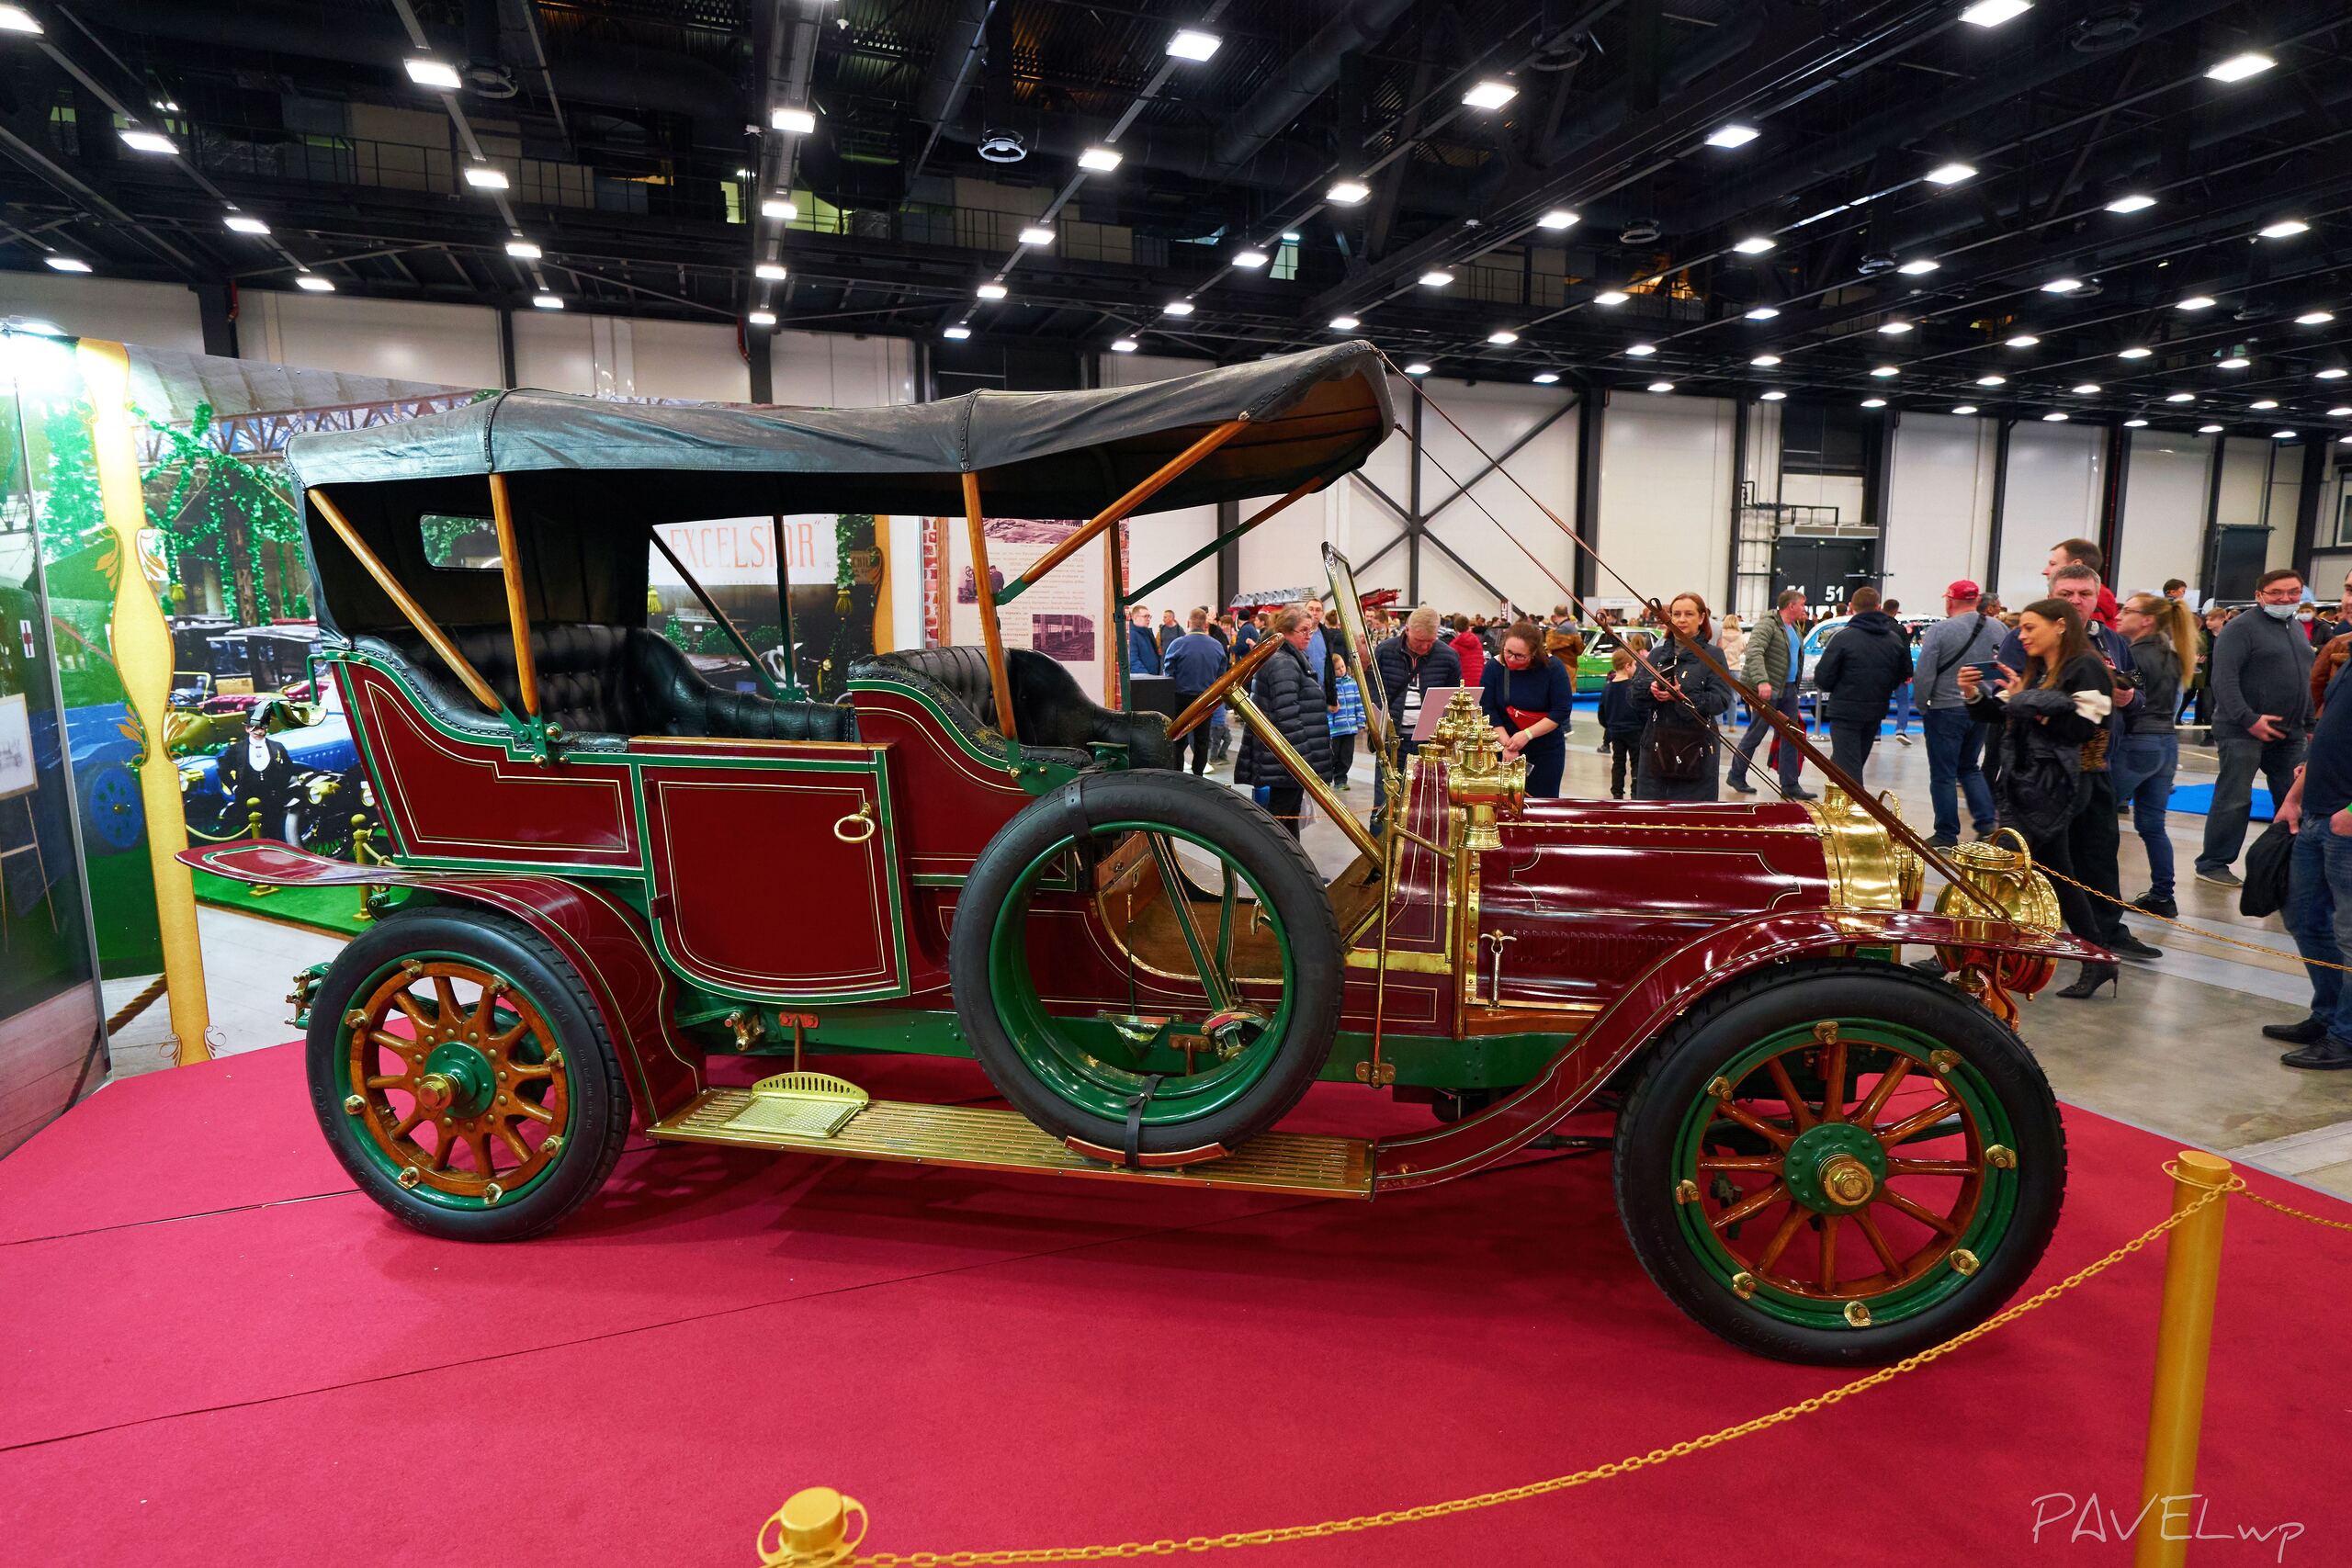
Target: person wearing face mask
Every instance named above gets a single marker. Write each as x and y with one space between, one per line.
1414 662
1679 694
2096 839
2260 681
1530 697
2051 707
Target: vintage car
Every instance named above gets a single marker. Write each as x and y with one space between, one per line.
609 875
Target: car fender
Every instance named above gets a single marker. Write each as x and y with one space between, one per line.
606 942
1678 980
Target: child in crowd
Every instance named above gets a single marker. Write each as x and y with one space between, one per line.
1621 721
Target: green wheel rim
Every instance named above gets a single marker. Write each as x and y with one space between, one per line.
1085 1062
464 1102
1845 1282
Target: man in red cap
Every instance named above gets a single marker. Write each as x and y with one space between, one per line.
1955 742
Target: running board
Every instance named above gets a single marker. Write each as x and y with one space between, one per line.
976 1138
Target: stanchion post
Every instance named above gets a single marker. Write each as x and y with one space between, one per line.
2184 1347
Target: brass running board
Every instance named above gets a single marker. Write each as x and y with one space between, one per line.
978 1138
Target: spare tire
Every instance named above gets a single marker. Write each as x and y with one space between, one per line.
1184 1069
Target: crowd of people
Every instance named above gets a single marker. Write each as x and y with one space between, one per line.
2051 721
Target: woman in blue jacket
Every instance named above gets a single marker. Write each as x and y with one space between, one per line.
1530 697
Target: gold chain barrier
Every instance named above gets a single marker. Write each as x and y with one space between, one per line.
813 1529
2192 930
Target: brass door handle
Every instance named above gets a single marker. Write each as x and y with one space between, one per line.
857 827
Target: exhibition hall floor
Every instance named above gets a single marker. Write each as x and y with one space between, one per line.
220 1353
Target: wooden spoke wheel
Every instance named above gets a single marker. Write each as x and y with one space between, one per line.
463 1075
1222 928
1813 1178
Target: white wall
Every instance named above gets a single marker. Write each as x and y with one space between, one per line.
2055 471
160 315
1665 493
1939 502
2163 511
452 345
1159 541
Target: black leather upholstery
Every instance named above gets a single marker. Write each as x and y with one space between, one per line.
610 681
1048 707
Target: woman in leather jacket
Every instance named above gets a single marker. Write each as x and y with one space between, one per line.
1291 693
1679 695
2050 712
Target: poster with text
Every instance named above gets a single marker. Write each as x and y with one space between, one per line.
1061 618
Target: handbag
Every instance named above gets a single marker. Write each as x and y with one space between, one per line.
1675 747
2267 867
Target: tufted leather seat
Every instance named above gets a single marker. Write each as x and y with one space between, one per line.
1049 708
610 681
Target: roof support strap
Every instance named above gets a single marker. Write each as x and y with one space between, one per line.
434 637
1117 511
1173 572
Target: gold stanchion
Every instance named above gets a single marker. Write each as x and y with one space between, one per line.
2184 1346
363 852
811 1530
253 831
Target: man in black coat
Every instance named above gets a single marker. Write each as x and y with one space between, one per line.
1860 669
1412 663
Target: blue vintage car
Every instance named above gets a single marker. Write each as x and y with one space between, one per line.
330 787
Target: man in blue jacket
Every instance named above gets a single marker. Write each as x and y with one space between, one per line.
1143 649
1194 660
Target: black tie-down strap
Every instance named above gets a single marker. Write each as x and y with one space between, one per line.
1069 818
1135 1121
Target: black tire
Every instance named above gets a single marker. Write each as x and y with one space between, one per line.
1781 997
1242 831
597 1096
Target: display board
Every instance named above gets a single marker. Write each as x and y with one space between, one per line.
1062 617
16 773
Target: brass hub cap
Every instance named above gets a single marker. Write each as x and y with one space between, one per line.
458 1077
1847 1181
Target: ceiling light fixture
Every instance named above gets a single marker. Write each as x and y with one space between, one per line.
2136 351
1992 380
1502 337
2235 362
1993 13
760 318
483 176
1733 136
1037 234
1436 278
1123 345
1418 367
1251 258
2138 201
1347 193
1489 95
799 122
2263 405
312 283
2061 286
246 223
1895 329
2195 302
1873 402
1177 308
1642 350
1919 268
2283 228
2180 397
2344 412
1191 43
2085 389
1099 160
522 250
2135 423
782 209
1661 386
1754 245
66 263
1290 236
2238 67
991 291
16 19
1964 408
2333 373
1765 361
959 332
1610 297
1950 174
2055 416
437 75
1763 313
2021 340
156 141
2209 430
772 272
1344 324
1557 219
2314 318
1545 377
1883 371
2282 436
1774 396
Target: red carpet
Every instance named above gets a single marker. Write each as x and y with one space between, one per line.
217 1354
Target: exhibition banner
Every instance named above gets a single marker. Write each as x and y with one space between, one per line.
1062 617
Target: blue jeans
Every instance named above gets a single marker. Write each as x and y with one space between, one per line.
2319 917
2225 820
1903 708
2142 768
1955 753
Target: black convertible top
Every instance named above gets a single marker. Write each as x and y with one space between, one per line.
1314 416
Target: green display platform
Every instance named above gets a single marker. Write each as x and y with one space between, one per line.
331 909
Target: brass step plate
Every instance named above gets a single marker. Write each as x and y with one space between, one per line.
978 1138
